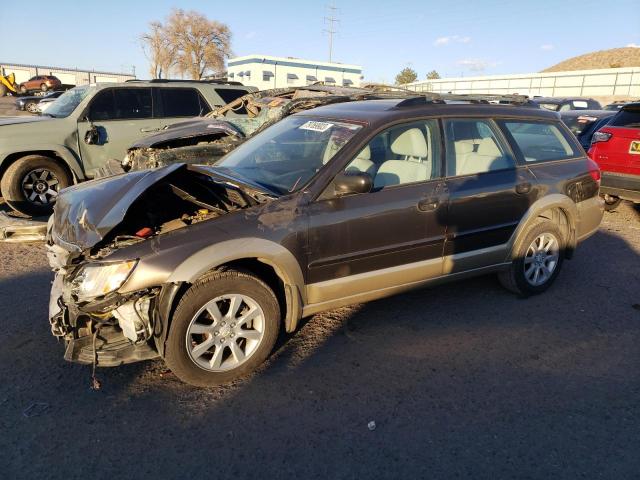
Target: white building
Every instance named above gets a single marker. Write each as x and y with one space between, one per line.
266 72
587 83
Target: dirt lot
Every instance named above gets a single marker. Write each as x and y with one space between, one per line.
463 381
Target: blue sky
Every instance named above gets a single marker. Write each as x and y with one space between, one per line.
452 37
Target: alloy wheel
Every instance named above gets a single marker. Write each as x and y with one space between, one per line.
40 186
225 332
541 259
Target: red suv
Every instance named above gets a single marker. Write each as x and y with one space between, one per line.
616 149
40 82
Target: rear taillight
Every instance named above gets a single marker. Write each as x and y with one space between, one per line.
594 171
600 137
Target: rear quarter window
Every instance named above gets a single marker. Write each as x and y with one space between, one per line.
540 141
182 102
228 95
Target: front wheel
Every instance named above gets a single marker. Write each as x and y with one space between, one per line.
537 262
224 327
31 184
31 107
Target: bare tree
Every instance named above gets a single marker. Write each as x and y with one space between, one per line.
159 50
201 45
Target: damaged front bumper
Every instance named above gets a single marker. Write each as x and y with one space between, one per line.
109 332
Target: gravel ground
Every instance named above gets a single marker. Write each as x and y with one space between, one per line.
462 381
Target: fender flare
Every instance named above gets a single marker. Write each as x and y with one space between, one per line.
556 200
65 154
213 256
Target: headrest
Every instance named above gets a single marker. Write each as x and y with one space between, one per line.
464 146
410 143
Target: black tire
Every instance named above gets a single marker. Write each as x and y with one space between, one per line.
23 89
12 184
199 294
3 90
611 202
43 87
515 279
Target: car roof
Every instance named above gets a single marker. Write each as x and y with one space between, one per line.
579 113
559 99
631 106
383 111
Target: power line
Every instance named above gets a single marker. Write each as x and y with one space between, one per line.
331 22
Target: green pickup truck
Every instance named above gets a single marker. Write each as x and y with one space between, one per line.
89 125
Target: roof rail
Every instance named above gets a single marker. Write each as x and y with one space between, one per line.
420 98
171 80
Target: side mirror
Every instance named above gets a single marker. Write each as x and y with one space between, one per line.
92 137
352 182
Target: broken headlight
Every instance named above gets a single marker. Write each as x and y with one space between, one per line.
99 279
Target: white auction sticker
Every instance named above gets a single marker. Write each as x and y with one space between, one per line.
316 126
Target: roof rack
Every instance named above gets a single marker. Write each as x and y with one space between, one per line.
171 80
420 98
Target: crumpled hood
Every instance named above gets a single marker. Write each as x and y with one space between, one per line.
85 213
24 119
188 129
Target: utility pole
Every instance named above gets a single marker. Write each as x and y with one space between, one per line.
331 21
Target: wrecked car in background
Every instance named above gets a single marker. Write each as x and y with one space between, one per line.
206 140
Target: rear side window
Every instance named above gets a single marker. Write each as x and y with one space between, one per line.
228 95
629 118
540 141
182 102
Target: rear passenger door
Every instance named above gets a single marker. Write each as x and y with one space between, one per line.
175 104
488 193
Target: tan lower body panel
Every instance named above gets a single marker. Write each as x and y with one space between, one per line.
368 286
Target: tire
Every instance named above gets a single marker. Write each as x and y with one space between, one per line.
611 202
3 90
520 278
43 87
19 193
23 89
214 362
31 107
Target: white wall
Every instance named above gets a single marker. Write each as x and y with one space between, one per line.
587 83
280 68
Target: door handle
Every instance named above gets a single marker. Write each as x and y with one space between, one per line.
149 130
428 204
524 187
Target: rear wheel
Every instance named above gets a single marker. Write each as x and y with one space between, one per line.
23 89
611 202
31 107
538 260
31 184
44 87
224 327
3 90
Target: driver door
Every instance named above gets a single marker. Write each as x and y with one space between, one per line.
121 116
391 236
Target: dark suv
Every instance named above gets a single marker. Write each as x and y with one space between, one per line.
204 265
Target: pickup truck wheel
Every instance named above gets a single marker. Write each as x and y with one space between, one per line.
611 202
31 184
538 260
223 328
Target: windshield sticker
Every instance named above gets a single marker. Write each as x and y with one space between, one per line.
316 126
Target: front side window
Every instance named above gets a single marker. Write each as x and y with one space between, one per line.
473 147
182 102
401 155
540 141
284 157
133 103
